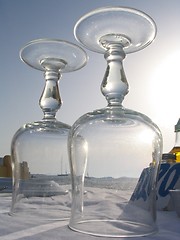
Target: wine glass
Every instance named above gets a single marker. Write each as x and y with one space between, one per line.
41 176
114 151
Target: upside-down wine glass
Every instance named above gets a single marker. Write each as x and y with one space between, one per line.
114 152
41 176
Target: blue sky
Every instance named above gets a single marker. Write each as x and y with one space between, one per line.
153 73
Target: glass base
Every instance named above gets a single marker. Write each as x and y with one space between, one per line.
136 27
114 228
41 49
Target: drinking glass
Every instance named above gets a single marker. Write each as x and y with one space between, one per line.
41 177
114 152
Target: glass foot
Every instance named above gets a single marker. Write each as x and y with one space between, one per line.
130 27
65 54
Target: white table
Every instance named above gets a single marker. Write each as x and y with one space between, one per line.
13 228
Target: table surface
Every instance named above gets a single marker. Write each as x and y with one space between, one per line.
12 228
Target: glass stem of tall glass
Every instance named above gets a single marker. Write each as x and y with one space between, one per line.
114 86
50 100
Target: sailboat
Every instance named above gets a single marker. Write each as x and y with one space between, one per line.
65 173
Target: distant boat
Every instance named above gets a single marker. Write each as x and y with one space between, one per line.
63 173
2 188
5 185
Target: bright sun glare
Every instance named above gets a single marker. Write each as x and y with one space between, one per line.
164 87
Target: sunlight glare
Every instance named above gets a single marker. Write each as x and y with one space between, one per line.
164 88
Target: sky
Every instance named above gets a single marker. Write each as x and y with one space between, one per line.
152 73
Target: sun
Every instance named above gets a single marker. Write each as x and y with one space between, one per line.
164 88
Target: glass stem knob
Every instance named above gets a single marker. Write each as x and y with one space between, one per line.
114 86
50 100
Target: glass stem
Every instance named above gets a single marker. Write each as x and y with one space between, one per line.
50 100
114 86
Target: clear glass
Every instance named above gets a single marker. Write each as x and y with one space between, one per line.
114 152
41 175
